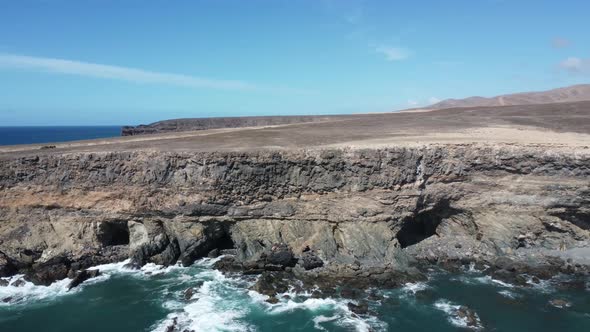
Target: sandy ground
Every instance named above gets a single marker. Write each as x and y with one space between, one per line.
552 125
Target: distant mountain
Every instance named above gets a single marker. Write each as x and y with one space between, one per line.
568 94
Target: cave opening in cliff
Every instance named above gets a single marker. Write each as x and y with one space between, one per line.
422 226
225 242
113 233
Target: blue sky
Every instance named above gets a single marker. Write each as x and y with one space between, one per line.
129 62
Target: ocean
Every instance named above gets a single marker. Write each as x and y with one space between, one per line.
153 299
55 134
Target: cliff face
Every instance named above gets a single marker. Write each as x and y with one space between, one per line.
351 208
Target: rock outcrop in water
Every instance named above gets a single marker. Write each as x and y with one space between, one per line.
365 214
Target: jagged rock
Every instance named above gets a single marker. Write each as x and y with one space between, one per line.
468 316
46 273
18 283
188 293
390 208
311 260
172 327
271 283
362 308
82 276
280 255
272 300
3 282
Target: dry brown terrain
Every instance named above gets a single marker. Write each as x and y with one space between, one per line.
560 124
572 93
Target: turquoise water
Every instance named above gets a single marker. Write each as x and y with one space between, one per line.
151 299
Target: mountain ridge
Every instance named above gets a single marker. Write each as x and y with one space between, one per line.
574 93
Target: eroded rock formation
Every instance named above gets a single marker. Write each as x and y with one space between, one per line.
348 212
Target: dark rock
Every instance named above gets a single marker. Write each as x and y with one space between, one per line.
3 282
272 300
311 260
18 283
46 273
373 296
83 276
280 254
271 283
468 315
229 264
213 253
188 293
273 267
350 293
362 308
173 325
7 299
7 267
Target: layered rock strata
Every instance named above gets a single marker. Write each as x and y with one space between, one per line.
369 214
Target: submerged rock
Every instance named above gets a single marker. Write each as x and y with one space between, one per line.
560 303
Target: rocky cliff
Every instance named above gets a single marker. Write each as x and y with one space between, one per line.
339 211
180 125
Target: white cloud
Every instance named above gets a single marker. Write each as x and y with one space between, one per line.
412 102
394 53
80 68
575 65
433 100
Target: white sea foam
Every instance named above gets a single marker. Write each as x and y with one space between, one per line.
543 286
323 319
29 292
482 280
414 287
451 310
219 306
509 294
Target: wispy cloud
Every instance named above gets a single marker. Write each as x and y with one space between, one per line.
72 67
575 65
393 53
559 42
433 100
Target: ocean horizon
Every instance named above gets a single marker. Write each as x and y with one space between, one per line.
54 134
